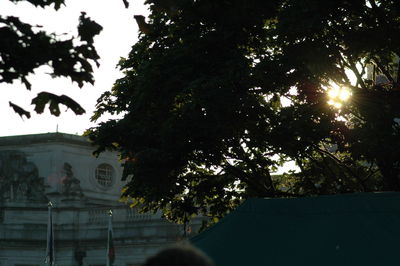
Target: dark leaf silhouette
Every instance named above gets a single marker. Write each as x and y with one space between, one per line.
20 111
126 3
143 26
44 98
25 47
88 28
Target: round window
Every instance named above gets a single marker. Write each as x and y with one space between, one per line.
104 175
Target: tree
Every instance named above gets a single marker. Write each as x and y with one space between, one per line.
24 47
217 95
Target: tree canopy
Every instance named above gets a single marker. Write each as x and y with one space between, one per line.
25 47
217 95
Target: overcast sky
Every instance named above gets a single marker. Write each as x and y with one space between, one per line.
119 34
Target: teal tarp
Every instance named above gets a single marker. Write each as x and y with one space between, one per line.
340 230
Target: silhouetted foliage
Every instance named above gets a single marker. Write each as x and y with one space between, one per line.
25 47
218 94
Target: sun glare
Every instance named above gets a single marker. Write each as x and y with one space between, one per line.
338 95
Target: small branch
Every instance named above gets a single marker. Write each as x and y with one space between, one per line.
360 181
358 75
364 67
373 4
383 69
370 172
343 65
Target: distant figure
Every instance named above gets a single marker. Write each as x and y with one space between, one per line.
184 255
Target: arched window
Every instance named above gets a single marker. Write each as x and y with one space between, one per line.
105 175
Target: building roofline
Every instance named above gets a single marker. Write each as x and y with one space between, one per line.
54 137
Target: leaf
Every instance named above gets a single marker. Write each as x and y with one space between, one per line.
126 3
88 28
73 105
26 83
43 3
20 111
44 98
143 26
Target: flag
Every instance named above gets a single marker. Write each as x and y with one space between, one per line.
110 243
50 253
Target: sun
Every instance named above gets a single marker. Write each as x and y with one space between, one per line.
338 96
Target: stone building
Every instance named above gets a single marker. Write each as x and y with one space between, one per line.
57 167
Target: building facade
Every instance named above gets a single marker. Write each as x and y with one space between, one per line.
57 167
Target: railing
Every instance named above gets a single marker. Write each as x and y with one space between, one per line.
100 215
134 215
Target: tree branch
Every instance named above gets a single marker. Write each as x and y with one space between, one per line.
383 69
360 181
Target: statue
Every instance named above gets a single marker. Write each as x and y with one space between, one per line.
71 185
19 179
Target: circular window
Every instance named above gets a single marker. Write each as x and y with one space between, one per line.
104 175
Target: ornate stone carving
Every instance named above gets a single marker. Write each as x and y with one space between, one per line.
71 185
19 179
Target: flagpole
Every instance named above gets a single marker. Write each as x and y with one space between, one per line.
50 252
110 242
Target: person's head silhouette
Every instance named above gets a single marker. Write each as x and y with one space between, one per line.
185 255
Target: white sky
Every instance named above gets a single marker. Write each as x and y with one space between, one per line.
119 33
